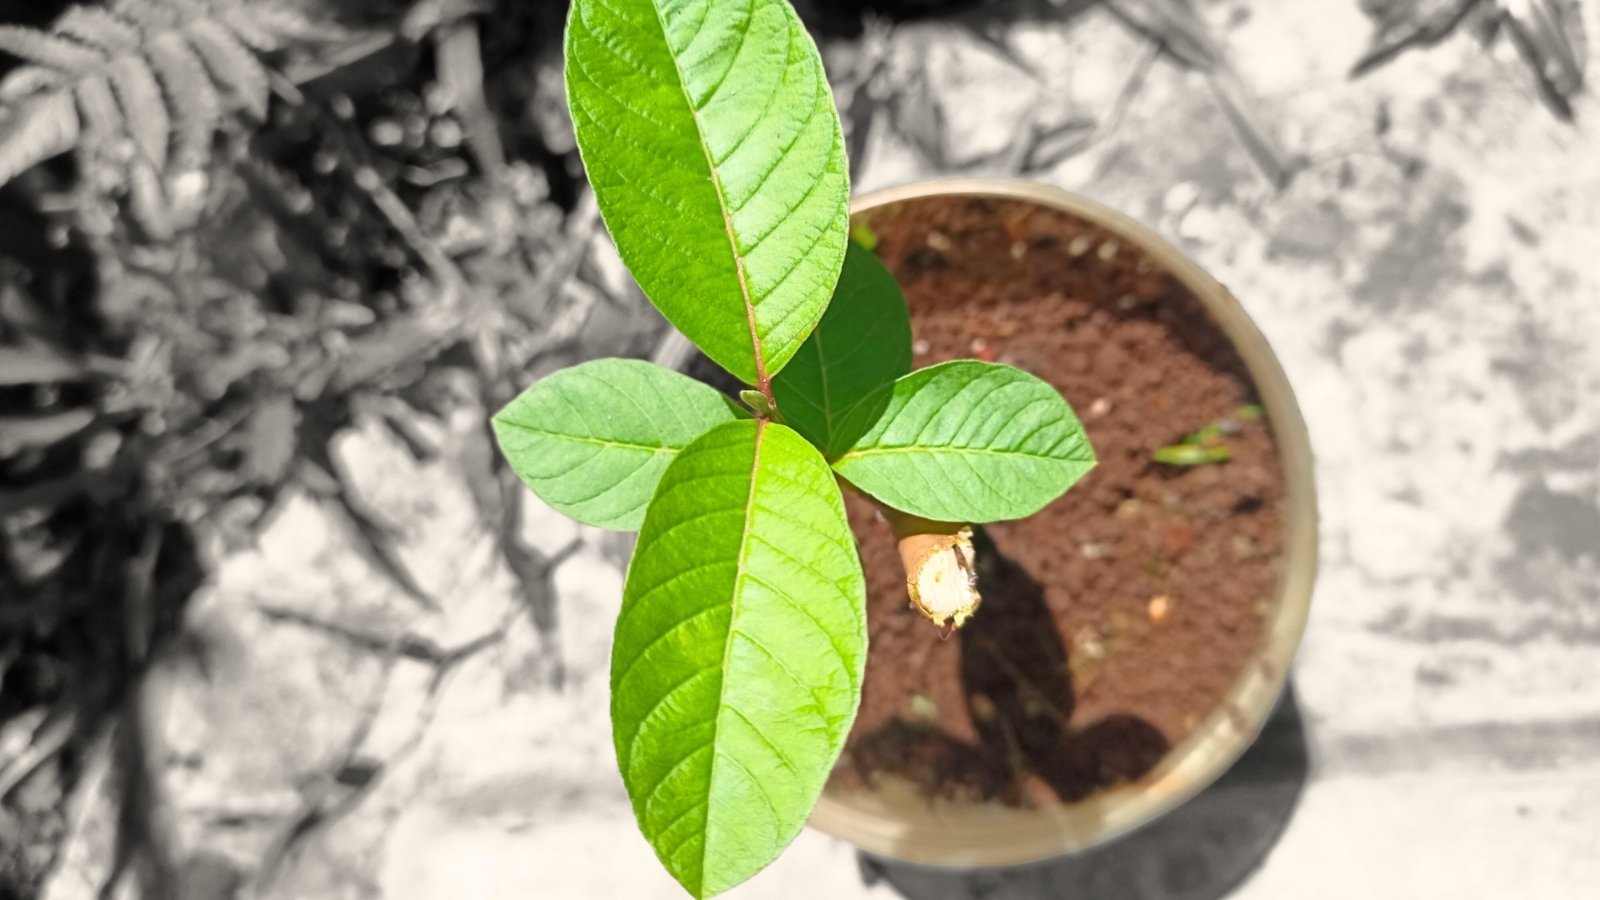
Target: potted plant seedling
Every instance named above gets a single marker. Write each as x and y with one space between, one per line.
714 149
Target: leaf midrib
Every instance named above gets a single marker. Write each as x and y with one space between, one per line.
739 577
716 185
925 449
594 441
827 397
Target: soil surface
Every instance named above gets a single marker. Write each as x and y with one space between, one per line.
1117 618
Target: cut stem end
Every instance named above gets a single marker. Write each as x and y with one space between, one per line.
941 570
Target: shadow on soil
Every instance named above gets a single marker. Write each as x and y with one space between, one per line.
1201 851
1017 682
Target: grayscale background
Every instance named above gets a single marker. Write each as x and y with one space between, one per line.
301 637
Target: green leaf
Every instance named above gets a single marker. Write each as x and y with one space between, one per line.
593 440
710 136
862 233
1192 454
757 402
970 441
861 346
739 652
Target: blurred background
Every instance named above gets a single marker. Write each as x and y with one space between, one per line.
275 622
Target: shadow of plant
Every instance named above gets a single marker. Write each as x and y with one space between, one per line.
1201 851
1017 683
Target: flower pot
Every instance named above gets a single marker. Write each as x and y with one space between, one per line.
898 817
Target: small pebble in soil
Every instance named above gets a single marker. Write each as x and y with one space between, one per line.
982 707
1087 644
920 348
938 241
1158 607
1127 302
1092 550
1176 539
1121 622
1080 245
1100 406
1108 251
1018 250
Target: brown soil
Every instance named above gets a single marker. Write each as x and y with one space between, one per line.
1117 618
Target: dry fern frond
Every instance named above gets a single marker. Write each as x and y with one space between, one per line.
47 50
23 83
252 33
154 76
38 129
147 200
154 15
232 65
98 110
182 74
95 27
143 106
291 23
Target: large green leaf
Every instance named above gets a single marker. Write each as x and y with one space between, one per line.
593 440
969 441
739 652
862 345
709 133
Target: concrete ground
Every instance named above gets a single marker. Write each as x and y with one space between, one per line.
1429 278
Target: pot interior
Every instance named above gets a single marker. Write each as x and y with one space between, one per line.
1136 633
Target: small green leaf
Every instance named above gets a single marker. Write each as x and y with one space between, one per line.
710 136
593 440
758 403
861 346
970 441
739 652
863 234
1192 454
